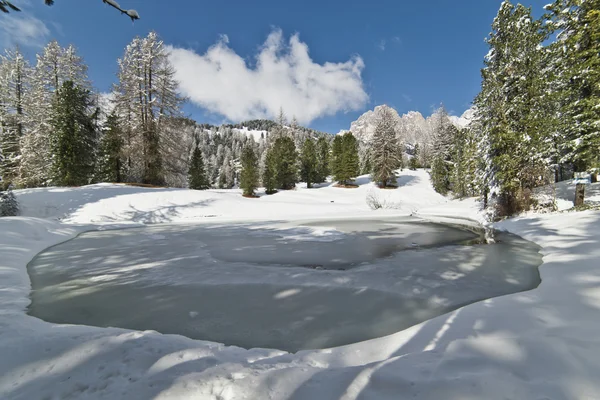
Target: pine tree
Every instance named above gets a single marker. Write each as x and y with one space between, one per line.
249 175
384 149
323 156
9 207
286 159
197 179
350 159
110 153
269 176
413 164
308 163
73 141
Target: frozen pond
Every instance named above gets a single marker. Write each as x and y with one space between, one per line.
276 285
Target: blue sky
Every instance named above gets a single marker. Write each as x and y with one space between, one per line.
410 55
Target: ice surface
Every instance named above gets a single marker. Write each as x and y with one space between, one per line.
276 285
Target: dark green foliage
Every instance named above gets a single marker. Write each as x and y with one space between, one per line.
350 159
269 176
308 163
197 175
110 157
337 154
9 207
323 156
345 160
286 160
249 175
440 175
73 141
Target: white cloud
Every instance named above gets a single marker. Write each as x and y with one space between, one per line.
23 30
381 44
284 76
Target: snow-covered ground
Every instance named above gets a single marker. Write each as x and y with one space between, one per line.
541 344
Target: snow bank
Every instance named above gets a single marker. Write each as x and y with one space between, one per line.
542 344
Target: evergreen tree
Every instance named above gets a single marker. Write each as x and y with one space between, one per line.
384 149
249 175
308 163
576 79
269 177
9 207
511 107
73 140
286 159
323 156
350 159
110 153
337 160
197 179
413 164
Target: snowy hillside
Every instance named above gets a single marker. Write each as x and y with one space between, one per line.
540 343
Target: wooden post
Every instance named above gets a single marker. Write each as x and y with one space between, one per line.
594 177
579 194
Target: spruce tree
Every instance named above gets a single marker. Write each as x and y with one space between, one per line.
511 109
249 175
308 163
269 176
110 154
323 156
73 141
350 159
286 159
197 179
576 74
384 149
9 207
413 164
337 160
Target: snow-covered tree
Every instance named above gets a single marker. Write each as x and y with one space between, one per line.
145 97
509 109
15 74
385 154
9 206
576 77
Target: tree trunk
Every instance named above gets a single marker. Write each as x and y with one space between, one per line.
579 194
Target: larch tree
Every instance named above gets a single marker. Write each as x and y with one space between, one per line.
145 96
385 158
15 75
